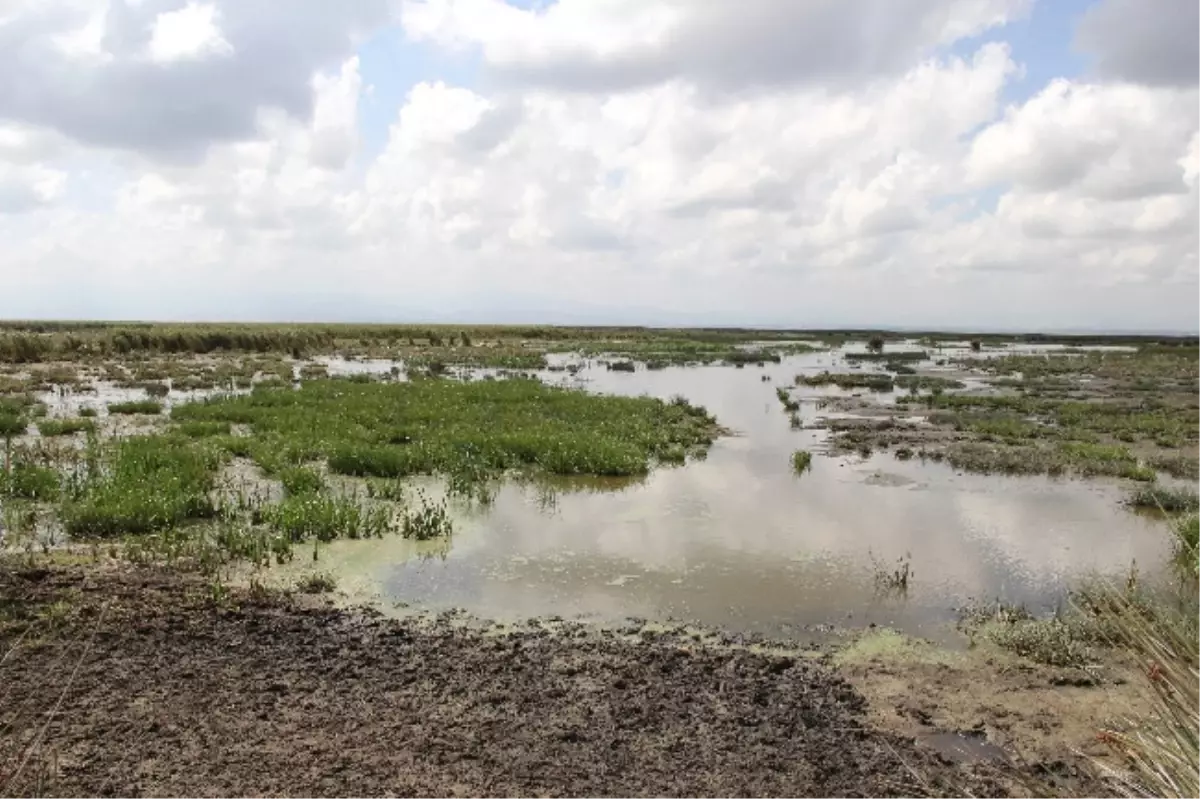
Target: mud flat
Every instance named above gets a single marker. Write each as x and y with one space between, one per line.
130 682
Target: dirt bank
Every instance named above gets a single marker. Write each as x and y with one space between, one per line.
134 683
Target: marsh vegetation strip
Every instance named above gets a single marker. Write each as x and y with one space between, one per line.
520 497
478 428
687 542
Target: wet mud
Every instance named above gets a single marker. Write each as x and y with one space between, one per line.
134 682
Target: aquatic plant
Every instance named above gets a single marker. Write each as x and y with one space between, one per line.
315 517
1168 500
789 405
801 461
429 520
144 484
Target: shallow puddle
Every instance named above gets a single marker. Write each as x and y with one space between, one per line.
739 542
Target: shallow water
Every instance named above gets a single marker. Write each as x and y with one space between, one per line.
737 541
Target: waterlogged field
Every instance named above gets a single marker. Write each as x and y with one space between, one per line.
787 483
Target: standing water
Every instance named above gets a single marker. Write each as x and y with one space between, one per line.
738 541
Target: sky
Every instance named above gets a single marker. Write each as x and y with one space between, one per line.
954 164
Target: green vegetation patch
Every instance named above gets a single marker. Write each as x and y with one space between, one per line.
848 380
135 407
65 427
141 485
444 426
29 481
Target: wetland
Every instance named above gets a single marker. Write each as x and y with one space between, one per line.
826 531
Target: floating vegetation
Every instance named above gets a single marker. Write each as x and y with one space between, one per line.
801 461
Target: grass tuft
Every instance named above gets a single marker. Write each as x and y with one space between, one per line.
135 407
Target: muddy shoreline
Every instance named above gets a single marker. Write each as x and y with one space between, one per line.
134 682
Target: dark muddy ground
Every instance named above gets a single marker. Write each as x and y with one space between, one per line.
135 683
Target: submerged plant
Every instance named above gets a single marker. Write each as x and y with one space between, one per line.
893 579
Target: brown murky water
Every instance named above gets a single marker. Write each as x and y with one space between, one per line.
737 541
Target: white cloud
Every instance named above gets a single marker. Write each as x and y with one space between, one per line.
620 161
189 32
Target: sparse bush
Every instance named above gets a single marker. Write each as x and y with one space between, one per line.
801 461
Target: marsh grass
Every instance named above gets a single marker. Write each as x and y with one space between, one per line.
301 480
867 380
136 407
26 480
203 429
307 517
427 521
789 405
392 430
65 427
801 461
141 484
1167 500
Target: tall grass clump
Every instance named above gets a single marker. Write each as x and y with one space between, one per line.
64 427
135 406
30 481
301 481
1162 747
311 516
143 484
204 429
1168 500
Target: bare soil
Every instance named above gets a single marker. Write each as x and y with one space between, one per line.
134 682
1007 708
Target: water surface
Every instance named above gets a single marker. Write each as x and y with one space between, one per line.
739 542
